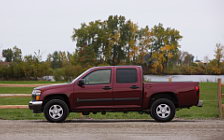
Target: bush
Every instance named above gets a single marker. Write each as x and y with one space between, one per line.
58 74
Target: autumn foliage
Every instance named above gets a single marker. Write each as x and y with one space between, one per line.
114 41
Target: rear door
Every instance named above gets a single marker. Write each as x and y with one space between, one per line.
127 89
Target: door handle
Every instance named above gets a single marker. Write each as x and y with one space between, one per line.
134 87
107 88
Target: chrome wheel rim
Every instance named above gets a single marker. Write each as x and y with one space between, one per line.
56 111
163 110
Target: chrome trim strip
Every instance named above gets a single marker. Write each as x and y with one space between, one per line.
36 102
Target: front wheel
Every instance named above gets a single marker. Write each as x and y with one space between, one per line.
56 110
163 110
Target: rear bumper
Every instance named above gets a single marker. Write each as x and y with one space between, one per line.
36 106
200 103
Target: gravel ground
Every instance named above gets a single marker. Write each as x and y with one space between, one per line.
112 130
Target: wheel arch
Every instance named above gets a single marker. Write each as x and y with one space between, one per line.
169 95
60 96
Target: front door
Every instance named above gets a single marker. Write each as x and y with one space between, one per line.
96 91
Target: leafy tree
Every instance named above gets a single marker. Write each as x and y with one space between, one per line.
110 41
17 54
89 37
55 60
165 42
219 54
145 47
8 54
186 58
12 55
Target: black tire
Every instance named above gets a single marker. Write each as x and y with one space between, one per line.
56 110
163 110
151 115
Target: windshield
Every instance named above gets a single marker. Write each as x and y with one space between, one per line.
81 75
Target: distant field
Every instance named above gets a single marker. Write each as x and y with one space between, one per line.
208 94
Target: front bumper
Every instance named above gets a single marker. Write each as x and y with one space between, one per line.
200 103
36 106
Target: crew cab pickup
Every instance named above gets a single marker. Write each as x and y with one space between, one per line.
114 89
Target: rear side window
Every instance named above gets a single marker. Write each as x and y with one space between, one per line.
128 75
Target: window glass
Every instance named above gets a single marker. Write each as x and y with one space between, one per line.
128 75
98 77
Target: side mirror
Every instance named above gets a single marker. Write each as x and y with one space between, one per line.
81 82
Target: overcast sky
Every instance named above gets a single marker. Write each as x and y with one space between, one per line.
47 25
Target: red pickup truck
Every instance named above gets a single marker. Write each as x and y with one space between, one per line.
114 89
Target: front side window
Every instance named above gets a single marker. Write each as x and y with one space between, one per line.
98 77
128 75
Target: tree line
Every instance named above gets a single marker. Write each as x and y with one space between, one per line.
114 41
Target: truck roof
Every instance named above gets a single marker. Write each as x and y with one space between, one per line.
122 66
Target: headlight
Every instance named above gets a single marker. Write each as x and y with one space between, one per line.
36 94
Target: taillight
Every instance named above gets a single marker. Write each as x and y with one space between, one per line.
196 88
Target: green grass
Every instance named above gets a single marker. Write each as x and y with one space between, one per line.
30 82
208 94
19 114
15 100
19 90
25 114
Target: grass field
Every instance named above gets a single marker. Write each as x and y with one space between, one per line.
28 82
16 90
208 94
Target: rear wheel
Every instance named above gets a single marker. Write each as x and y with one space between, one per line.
163 110
56 110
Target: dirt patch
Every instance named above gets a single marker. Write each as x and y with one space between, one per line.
112 129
